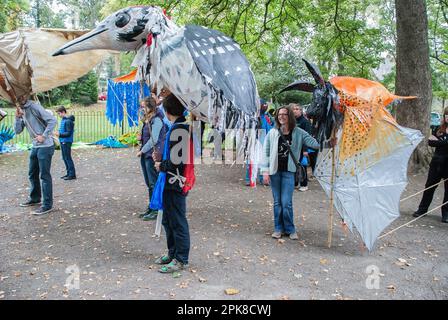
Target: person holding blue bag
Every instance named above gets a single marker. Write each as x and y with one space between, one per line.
152 138
304 124
168 194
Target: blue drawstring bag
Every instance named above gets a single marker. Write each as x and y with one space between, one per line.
156 202
304 161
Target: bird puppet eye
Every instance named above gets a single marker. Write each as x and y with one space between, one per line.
122 20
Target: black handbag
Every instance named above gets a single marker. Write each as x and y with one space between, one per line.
300 174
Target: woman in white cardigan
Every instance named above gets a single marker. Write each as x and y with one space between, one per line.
279 169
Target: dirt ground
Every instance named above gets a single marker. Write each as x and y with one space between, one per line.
95 229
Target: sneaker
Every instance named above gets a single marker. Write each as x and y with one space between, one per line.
63 177
294 236
303 189
173 266
29 203
418 213
41 211
152 215
70 178
277 235
141 215
163 260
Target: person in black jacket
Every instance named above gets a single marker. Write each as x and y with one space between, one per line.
438 169
304 124
174 199
65 134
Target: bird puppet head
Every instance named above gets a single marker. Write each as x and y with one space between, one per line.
323 109
125 30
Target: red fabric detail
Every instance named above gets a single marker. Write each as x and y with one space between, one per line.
164 13
189 175
251 179
149 40
268 120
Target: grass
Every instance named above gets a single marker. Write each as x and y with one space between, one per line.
91 125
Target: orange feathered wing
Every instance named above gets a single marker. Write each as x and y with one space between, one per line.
369 130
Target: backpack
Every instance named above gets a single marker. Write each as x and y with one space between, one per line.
190 177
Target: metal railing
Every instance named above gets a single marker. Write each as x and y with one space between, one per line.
90 126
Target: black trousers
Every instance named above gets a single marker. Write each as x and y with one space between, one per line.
304 183
176 225
438 170
313 159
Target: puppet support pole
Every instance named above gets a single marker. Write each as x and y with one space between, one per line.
330 216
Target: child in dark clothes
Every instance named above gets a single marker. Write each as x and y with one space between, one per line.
174 199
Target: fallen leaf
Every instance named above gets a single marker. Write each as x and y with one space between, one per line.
202 279
323 261
391 287
231 291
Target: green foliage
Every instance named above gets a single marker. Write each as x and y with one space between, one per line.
126 61
85 90
89 11
11 12
43 16
129 138
438 38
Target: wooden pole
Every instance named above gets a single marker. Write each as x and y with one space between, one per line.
330 216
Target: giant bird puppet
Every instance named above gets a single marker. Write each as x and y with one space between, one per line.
203 68
367 172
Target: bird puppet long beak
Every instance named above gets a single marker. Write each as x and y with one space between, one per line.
95 39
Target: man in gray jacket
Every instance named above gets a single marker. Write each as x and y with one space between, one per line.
40 124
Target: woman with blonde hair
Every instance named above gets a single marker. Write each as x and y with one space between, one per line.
438 169
279 169
152 138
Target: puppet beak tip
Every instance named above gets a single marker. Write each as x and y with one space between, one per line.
60 52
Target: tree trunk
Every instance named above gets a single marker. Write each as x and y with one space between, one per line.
413 73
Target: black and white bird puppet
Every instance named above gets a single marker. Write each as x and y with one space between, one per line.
202 67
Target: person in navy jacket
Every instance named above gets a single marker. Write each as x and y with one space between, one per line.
65 134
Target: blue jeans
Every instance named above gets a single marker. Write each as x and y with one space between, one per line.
282 184
39 167
176 225
149 173
66 150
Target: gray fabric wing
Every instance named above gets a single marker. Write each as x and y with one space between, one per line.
220 60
